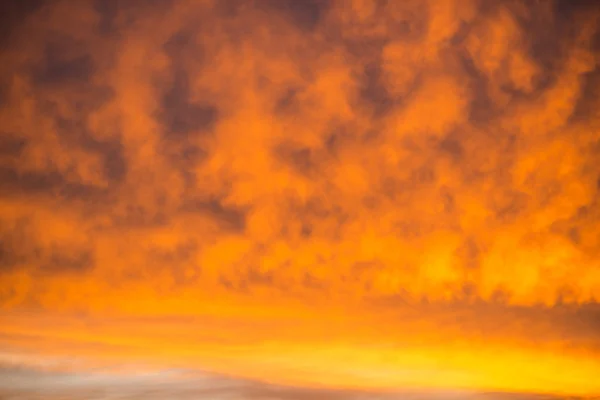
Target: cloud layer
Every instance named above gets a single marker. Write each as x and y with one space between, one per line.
297 170
185 385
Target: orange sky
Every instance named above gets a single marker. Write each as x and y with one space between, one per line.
345 194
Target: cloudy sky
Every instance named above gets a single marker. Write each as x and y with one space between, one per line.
294 199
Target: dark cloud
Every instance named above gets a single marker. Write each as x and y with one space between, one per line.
52 184
482 109
13 14
11 145
59 70
61 260
108 10
15 248
305 14
566 8
115 164
229 217
373 89
589 98
22 249
183 116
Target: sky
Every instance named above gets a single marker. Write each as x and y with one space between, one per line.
294 199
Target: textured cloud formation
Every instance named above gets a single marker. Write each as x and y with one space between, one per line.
307 172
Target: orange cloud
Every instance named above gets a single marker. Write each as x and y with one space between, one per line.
307 182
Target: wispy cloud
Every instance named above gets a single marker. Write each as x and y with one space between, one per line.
181 384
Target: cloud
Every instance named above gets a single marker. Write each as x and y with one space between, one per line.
190 385
293 162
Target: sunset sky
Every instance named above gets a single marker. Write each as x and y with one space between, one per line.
300 199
